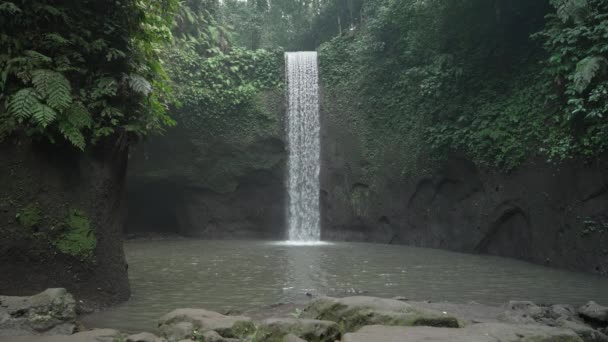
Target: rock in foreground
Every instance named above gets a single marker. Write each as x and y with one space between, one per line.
484 332
186 323
355 312
594 312
50 312
276 330
96 335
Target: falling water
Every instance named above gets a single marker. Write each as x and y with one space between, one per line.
304 146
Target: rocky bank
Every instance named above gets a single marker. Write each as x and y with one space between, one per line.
51 316
61 218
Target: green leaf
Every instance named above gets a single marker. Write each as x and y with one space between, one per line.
24 103
139 84
78 116
9 8
43 115
72 134
587 70
37 58
54 88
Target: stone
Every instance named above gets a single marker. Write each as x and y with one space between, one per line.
50 312
563 311
143 337
586 333
594 312
185 323
211 336
292 338
95 335
522 312
484 332
275 329
354 312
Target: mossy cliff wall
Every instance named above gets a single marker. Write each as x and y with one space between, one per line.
214 181
387 189
61 216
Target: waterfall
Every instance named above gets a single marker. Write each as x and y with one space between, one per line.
303 130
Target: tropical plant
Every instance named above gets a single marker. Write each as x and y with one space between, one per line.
83 70
576 37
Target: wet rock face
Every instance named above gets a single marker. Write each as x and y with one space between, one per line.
556 215
50 312
62 214
225 183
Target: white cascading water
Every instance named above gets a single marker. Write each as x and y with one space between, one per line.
303 131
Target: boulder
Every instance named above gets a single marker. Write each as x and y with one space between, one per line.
354 312
292 338
275 330
185 323
212 336
594 312
144 337
484 332
562 311
585 332
523 312
95 335
564 316
50 312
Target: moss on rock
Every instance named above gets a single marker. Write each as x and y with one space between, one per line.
77 238
30 216
353 313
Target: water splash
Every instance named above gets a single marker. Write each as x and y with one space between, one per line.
303 131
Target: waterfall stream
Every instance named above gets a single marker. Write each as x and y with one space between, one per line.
303 131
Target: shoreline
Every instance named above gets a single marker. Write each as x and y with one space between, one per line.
51 316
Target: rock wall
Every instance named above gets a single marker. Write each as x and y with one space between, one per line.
222 184
544 213
61 217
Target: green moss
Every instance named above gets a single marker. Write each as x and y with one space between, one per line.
30 216
77 238
242 329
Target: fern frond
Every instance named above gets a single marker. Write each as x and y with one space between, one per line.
72 134
114 54
52 11
36 58
586 70
9 8
139 84
111 112
24 103
78 116
572 9
54 87
105 86
43 115
56 38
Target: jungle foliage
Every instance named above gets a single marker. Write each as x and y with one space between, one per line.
289 24
83 70
216 83
498 80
